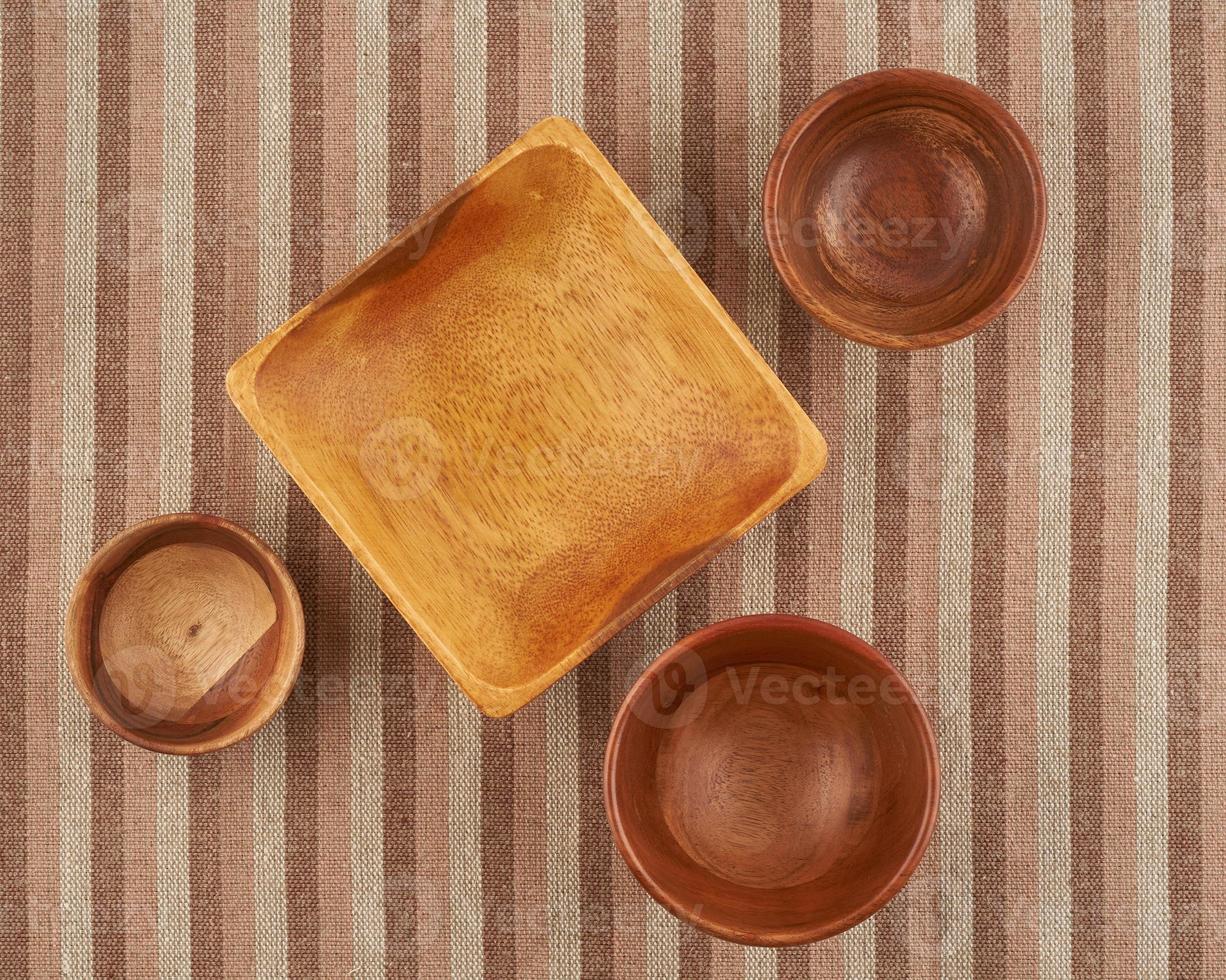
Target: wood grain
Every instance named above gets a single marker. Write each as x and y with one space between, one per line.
527 417
904 208
772 780
184 634
176 621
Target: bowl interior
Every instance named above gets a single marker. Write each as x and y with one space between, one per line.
184 634
906 208
774 781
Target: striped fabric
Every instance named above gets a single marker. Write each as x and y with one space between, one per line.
1029 523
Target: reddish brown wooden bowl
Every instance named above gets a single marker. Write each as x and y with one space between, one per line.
904 208
184 634
772 780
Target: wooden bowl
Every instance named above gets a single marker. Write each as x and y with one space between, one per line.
772 780
184 634
904 208
527 417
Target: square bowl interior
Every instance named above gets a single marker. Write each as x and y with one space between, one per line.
527 417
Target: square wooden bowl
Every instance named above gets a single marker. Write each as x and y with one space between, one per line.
527 417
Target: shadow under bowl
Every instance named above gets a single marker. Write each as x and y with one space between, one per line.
772 780
904 208
184 634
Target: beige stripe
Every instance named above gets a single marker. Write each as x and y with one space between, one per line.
860 22
959 34
667 206
1153 483
922 636
178 225
859 472
1055 447
954 561
567 54
365 601
272 306
77 498
178 146
372 95
464 721
562 700
762 321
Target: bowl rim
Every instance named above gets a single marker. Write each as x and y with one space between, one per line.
885 78
694 643
78 659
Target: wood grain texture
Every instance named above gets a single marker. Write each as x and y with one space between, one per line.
904 208
772 780
527 417
184 634
175 622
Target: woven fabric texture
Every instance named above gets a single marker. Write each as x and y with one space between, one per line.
1029 523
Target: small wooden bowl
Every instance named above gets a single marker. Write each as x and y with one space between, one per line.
184 634
772 780
904 208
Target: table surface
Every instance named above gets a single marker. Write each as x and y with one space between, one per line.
1028 523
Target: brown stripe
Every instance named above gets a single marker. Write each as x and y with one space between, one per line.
436 109
236 872
923 476
890 505
927 36
726 233
600 54
531 860
337 249
110 453
889 589
600 40
1184 723
698 203
498 734
987 592
401 894
893 51
144 284
1022 330
302 837
1213 517
631 153
501 75
207 776
1086 492
144 272
43 654
400 649
812 45
16 239
404 137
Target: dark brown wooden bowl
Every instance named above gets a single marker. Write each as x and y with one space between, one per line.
904 208
184 634
772 780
